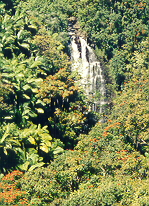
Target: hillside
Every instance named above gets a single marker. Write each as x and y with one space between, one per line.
54 150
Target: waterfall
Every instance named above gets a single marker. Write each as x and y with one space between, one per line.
85 62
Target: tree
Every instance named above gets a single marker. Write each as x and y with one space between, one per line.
132 104
65 106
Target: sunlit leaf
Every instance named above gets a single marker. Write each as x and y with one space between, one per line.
26 87
40 164
40 110
25 45
19 34
35 90
9 117
32 140
6 134
35 64
39 101
26 96
24 166
32 114
44 147
33 27
58 150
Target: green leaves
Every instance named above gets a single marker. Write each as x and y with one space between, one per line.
58 150
35 64
5 134
61 95
110 165
26 144
38 165
38 136
131 107
23 79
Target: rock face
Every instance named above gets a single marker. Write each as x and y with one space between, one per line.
85 62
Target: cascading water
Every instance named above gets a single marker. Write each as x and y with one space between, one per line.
89 68
80 62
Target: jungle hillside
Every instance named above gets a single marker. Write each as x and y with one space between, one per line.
54 150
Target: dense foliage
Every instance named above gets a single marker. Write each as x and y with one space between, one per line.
50 153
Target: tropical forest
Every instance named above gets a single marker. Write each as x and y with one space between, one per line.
74 103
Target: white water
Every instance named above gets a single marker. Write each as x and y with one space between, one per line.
92 78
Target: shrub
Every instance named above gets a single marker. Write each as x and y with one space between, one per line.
10 193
